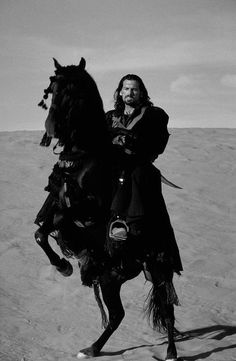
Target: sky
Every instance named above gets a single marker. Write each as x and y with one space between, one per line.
184 50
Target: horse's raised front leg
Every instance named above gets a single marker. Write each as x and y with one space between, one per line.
111 296
61 264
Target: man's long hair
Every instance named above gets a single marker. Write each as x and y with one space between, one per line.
118 101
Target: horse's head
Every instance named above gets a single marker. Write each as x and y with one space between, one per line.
74 97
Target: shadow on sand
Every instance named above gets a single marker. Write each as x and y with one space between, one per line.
206 354
215 332
218 333
120 352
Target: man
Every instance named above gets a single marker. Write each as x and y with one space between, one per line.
139 133
133 109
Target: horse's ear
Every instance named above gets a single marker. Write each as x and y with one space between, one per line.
82 64
56 64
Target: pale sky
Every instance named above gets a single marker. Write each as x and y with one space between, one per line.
184 50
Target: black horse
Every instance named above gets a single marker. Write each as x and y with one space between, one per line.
76 212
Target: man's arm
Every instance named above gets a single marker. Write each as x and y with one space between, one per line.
154 134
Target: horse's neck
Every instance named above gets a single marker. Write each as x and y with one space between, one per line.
90 130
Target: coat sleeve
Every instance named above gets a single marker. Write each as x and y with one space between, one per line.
162 135
149 137
109 115
154 134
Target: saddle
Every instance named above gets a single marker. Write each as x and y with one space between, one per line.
66 194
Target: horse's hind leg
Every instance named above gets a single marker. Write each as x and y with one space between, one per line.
160 308
61 264
111 296
170 320
164 319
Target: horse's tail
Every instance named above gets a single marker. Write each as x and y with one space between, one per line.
160 303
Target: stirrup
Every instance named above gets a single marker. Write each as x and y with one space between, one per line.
118 230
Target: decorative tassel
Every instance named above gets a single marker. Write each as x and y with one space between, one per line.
159 299
46 94
153 309
42 104
46 140
172 298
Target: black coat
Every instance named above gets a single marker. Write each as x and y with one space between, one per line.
139 199
149 135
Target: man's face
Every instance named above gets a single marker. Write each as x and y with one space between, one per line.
130 92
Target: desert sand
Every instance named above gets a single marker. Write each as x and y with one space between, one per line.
46 317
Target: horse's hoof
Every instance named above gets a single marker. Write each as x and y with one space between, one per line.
65 268
87 353
82 356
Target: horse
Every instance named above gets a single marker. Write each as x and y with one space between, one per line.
76 212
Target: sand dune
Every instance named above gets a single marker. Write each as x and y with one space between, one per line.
45 317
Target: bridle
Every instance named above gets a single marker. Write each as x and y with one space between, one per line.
47 91
54 81
66 95
69 106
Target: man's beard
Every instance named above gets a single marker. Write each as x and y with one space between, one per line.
130 101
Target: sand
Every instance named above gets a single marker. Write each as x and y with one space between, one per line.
46 317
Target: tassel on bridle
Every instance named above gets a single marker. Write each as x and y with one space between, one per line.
47 91
42 104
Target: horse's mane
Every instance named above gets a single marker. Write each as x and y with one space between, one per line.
81 117
85 81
